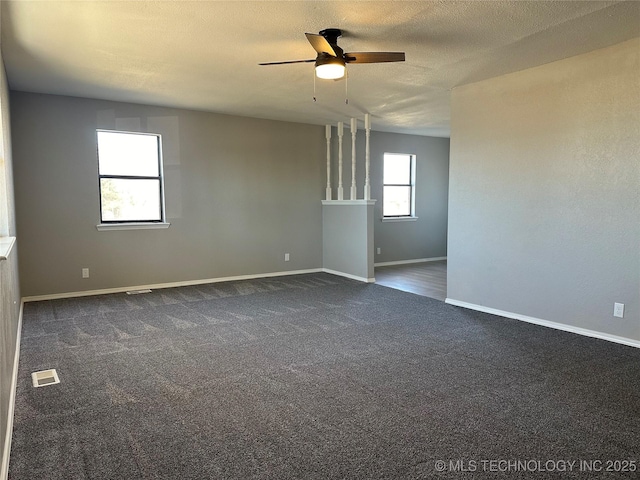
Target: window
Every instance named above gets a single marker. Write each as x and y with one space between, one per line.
398 195
130 176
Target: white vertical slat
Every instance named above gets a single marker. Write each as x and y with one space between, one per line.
354 129
328 137
367 160
340 134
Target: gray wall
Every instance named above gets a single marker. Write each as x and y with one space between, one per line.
545 192
9 289
347 233
240 193
427 236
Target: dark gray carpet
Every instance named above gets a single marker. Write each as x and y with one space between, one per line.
312 376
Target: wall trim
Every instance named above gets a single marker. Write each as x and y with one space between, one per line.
547 323
403 262
4 466
186 283
348 275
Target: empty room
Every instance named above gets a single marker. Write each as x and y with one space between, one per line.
319 239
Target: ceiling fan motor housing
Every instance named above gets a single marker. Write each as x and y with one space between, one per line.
331 34
326 58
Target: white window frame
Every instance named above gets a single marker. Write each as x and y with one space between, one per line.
141 223
411 217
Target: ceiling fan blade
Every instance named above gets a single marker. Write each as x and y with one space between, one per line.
291 61
320 44
373 57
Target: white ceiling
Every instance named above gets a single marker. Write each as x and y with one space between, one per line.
204 55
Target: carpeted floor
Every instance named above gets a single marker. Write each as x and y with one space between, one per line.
313 377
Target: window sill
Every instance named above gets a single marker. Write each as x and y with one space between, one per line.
399 219
6 244
102 227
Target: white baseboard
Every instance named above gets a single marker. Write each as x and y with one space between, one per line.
4 466
348 275
546 323
186 283
404 262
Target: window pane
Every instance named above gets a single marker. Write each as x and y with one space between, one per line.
128 154
397 169
396 201
128 200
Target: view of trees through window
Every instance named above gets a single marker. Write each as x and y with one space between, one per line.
130 177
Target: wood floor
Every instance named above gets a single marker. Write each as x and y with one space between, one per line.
428 279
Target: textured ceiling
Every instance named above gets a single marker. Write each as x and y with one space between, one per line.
204 55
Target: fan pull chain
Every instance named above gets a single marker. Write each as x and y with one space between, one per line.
346 87
314 85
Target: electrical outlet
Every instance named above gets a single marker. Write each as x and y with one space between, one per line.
286 257
618 310
379 250
85 273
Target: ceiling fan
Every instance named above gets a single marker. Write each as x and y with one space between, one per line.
331 60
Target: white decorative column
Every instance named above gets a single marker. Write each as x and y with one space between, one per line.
328 136
340 134
367 160
354 129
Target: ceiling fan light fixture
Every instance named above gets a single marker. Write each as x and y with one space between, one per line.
330 68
